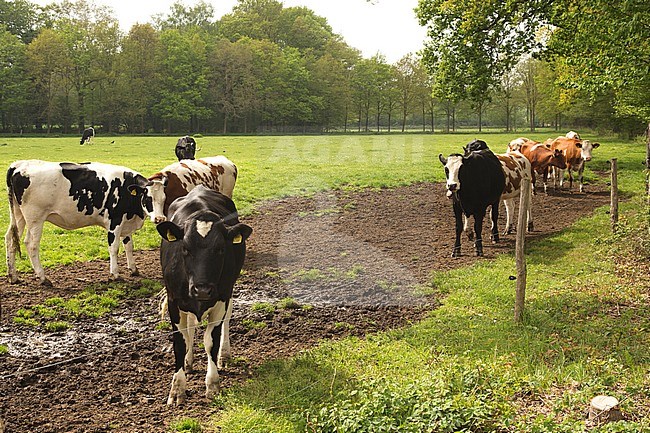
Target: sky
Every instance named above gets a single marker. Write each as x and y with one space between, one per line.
388 27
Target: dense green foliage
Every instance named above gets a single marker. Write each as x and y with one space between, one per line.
597 49
267 68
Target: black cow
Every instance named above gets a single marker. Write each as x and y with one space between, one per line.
87 136
474 182
185 148
72 196
201 254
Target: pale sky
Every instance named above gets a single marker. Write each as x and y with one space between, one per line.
388 27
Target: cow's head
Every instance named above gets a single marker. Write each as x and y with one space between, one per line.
452 166
586 147
156 191
474 146
558 159
185 148
150 192
206 244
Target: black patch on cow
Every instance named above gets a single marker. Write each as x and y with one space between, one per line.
86 187
126 240
111 238
94 193
17 183
126 204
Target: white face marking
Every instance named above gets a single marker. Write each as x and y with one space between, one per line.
203 227
585 150
157 193
453 165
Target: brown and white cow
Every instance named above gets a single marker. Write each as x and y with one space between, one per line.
577 153
540 156
516 167
176 180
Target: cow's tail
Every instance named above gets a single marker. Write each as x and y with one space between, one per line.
13 227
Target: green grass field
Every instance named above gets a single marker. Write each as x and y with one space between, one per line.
467 367
269 167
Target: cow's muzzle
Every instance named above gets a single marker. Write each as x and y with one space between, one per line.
159 218
201 292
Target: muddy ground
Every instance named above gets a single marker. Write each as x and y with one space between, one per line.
358 258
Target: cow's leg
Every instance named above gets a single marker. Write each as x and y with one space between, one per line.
32 243
570 178
468 229
179 381
510 212
130 261
494 216
559 178
113 250
212 341
478 228
458 214
189 323
224 346
580 176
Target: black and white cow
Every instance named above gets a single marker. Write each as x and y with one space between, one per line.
88 135
201 254
185 148
72 196
474 182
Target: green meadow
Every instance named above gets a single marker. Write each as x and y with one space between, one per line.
467 367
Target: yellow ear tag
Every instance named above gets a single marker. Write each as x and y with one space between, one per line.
170 236
134 192
237 239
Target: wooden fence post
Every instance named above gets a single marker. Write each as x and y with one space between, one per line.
613 212
522 224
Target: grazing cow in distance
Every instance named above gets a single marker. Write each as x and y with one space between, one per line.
474 182
72 196
87 136
577 153
185 148
177 179
201 255
516 168
572 134
540 156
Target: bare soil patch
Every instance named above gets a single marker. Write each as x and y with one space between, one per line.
357 258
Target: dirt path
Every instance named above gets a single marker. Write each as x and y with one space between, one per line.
355 257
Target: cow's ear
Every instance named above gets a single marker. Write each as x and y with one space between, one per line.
170 231
578 144
442 159
596 145
238 233
135 189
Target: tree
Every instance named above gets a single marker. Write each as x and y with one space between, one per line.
232 83
407 83
21 18
181 17
47 63
13 92
182 79
137 78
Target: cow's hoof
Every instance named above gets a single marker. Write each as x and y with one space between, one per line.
14 280
212 390
116 279
135 272
531 227
456 253
479 253
46 283
176 398
470 236
222 362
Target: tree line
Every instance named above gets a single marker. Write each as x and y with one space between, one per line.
261 68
